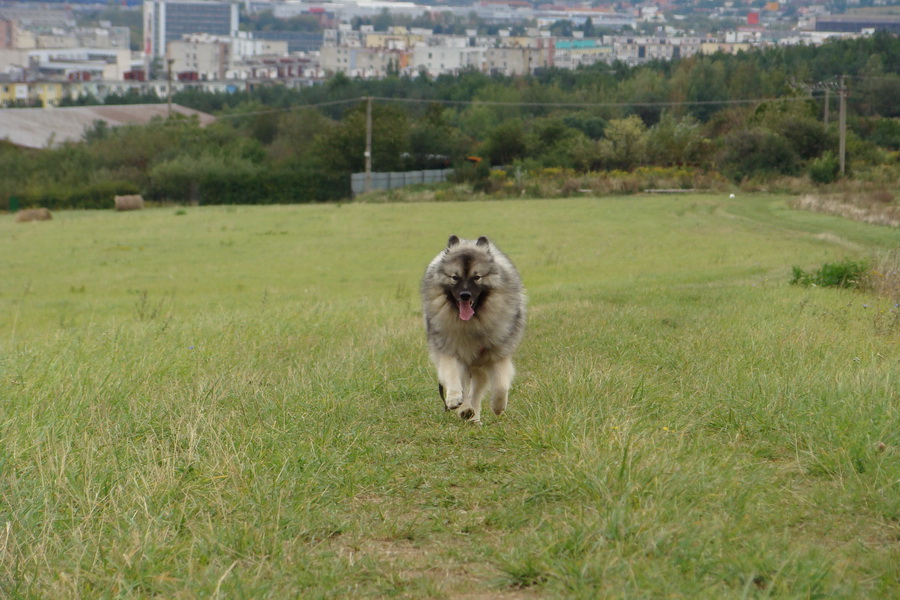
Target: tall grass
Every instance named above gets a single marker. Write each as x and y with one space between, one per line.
236 402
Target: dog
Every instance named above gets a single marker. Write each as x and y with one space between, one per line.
474 308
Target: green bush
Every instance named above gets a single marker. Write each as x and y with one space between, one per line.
56 196
886 133
208 178
825 169
844 274
757 153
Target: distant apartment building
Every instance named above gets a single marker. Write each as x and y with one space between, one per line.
20 35
297 41
84 37
857 23
571 54
368 63
356 53
66 64
200 59
210 57
293 71
637 50
44 93
517 61
9 34
168 20
447 58
41 17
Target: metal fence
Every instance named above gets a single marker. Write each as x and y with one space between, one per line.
389 181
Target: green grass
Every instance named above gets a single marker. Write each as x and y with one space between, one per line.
237 403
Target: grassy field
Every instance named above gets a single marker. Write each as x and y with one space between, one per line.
236 402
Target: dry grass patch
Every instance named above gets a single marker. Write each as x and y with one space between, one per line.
33 214
886 274
876 208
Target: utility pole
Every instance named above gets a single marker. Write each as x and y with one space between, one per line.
827 104
368 154
169 78
842 125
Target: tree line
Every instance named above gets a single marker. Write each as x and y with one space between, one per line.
746 117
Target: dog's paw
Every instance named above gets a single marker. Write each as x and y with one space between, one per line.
454 403
468 414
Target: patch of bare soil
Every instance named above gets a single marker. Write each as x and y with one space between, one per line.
440 566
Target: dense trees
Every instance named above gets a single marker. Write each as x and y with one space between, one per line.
749 117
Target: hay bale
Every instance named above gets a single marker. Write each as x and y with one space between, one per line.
33 214
131 202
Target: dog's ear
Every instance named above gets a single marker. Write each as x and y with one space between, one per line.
452 241
482 241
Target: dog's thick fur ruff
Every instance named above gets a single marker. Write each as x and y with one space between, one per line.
474 307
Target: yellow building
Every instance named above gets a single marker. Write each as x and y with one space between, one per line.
392 41
41 93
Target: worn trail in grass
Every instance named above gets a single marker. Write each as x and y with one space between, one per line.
237 402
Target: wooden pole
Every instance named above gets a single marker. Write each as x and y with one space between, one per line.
368 144
169 78
842 124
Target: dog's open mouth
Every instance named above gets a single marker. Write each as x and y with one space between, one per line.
466 309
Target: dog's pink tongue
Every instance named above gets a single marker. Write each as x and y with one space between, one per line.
466 311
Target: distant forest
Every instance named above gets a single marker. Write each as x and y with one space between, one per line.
742 119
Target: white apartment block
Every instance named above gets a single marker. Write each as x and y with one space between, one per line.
636 50
213 57
208 59
517 61
439 60
70 64
367 63
74 37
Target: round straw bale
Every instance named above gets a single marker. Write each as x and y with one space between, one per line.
33 214
131 202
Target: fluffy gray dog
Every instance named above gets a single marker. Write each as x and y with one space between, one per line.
474 307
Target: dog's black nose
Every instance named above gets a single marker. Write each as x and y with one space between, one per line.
465 295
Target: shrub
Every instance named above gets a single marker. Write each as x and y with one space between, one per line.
825 169
56 195
624 145
806 136
476 173
505 143
886 133
844 274
209 178
757 153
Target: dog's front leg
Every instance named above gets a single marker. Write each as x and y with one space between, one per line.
471 408
453 377
501 378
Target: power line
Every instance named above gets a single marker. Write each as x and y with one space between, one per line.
595 104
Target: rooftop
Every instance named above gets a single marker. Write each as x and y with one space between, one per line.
44 127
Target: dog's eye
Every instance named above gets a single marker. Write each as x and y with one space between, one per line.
454 277
476 277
